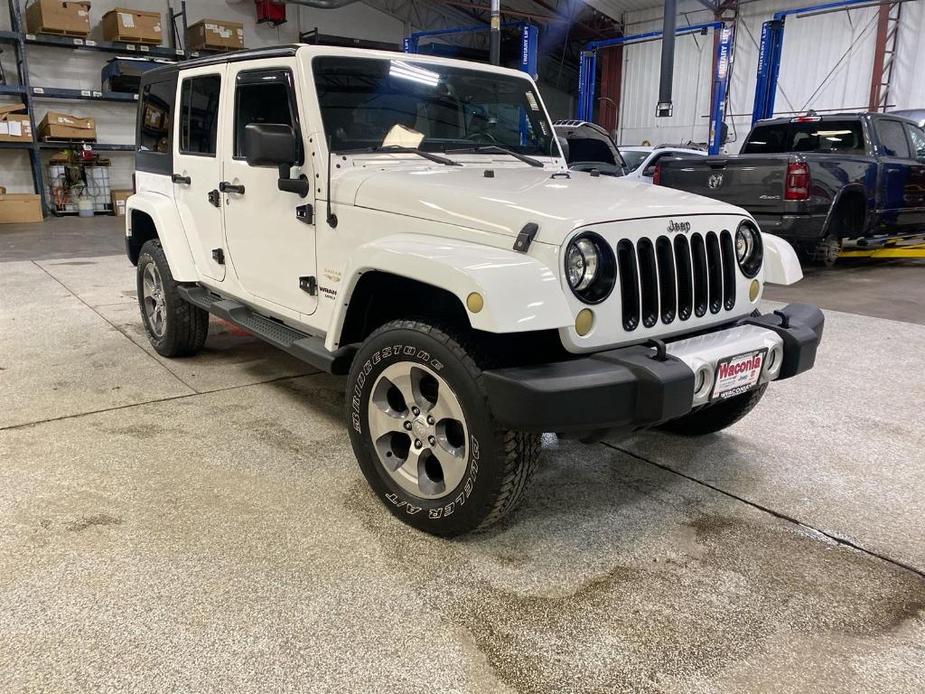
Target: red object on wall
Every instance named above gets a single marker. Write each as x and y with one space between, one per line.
271 11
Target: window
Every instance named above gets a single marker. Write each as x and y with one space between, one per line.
154 125
824 135
633 158
917 137
893 138
363 99
262 97
199 114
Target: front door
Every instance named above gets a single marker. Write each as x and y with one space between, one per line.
197 166
271 248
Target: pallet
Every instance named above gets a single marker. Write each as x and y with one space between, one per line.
61 32
124 38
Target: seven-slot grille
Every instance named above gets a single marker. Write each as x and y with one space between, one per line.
675 278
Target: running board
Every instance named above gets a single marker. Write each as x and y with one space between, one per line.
308 348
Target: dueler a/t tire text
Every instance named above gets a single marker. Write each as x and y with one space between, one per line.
181 328
499 462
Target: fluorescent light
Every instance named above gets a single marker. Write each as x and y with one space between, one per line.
827 133
407 71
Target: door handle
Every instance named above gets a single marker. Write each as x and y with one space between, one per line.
177 178
227 187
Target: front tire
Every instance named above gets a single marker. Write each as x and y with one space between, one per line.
713 418
174 327
424 436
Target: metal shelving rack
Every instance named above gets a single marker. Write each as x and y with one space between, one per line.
30 93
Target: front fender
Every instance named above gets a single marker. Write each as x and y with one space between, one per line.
163 212
520 293
781 265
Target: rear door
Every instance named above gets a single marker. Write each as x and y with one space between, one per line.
197 166
895 189
916 187
271 248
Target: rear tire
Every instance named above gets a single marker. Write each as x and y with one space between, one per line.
713 418
468 471
175 327
825 251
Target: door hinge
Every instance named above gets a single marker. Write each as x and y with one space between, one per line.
305 213
215 198
309 284
218 255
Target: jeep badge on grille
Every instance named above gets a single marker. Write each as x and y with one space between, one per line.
682 227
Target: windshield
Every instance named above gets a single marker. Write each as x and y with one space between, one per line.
373 102
633 159
814 136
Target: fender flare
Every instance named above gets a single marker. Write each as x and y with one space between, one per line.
163 213
850 188
520 293
781 265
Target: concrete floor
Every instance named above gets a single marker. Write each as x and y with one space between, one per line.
201 524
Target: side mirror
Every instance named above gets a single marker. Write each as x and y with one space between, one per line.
269 144
649 171
274 144
563 144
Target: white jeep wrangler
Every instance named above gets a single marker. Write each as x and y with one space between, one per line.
410 221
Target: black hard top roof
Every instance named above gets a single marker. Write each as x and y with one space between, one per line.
160 73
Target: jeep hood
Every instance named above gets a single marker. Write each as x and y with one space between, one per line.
504 202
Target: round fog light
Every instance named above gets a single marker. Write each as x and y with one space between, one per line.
475 302
584 321
753 290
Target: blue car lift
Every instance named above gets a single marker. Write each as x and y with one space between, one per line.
529 41
587 72
769 52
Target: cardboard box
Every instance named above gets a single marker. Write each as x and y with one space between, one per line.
118 201
132 26
215 35
57 17
20 208
63 126
14 127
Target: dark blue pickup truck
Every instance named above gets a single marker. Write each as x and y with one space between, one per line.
816 180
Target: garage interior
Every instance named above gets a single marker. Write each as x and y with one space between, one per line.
200 524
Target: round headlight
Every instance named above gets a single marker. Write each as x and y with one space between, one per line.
590 268
749 249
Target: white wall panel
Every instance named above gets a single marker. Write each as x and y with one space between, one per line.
826 64
908 90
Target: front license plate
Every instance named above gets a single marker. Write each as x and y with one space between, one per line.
735 375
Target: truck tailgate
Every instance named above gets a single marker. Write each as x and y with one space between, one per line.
755 182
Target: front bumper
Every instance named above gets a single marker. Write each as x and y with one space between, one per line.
629 388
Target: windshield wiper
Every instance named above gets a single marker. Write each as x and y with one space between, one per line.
398 149
497 149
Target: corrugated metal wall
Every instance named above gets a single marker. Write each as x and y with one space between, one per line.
826 64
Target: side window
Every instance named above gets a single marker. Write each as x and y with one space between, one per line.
917 138
155 116
893 138
263 97
199 114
